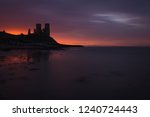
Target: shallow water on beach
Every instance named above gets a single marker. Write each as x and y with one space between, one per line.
76 73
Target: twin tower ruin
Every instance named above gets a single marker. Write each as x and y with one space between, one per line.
39 31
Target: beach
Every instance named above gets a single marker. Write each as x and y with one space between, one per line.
76 73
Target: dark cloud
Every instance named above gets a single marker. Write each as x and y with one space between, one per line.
90 19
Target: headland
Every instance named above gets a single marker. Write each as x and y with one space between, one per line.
38 39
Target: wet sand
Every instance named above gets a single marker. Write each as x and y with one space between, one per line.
77 73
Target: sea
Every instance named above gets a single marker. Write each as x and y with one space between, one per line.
84 73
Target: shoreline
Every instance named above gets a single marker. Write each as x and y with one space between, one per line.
36 46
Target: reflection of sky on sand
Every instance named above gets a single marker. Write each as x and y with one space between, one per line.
87 73
20 72
21 57
14 59
20 62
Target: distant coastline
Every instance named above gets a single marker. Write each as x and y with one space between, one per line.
39 39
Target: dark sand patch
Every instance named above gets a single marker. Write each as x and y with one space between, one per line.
116 74
2 97
11 74
33 69
84 79
2 81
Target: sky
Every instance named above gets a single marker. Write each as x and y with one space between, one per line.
86 22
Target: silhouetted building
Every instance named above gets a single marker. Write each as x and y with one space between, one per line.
47 29
44 32
38 28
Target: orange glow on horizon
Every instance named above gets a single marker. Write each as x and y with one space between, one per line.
81 41
63 39
16 31
104 42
